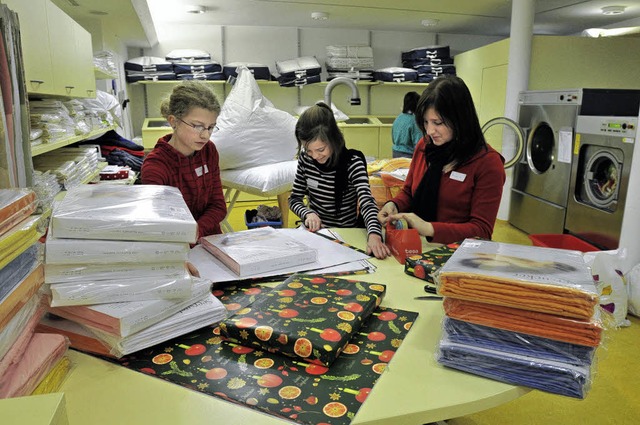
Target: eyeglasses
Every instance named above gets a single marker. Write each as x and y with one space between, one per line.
199 128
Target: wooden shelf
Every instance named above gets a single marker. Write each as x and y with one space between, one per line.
48 147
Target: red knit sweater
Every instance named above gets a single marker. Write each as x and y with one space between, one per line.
468 199
197 177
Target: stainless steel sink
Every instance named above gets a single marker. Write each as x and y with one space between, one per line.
158 123
386 120
358 120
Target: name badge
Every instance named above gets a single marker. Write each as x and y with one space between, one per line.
312 183
198 171
206 169
458 176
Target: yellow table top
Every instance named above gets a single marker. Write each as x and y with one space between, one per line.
414 389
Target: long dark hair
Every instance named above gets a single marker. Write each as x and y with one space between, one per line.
318 122
410 102
449 96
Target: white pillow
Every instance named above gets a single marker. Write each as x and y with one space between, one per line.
265 180
250 131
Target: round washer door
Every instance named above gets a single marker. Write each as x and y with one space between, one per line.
506 134
602 179
540 148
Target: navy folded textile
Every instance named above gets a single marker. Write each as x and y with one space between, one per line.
480 336
119 157
545 375
112 138
14 272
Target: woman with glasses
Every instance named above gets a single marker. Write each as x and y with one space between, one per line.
187 159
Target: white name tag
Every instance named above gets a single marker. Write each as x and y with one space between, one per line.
198 171
458 176
312 183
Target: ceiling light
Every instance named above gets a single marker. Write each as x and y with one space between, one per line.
195 9
319 16
613 10
429 22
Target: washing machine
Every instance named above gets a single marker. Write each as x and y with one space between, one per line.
540 188
606 134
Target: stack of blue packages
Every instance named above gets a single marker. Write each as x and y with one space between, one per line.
500 320
429 62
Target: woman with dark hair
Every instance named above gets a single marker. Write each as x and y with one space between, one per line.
454 185
405 132
333 179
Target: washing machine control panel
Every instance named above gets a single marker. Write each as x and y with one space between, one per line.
609 126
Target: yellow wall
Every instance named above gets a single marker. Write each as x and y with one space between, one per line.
557 62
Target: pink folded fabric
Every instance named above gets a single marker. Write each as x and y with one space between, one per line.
19 346
40 356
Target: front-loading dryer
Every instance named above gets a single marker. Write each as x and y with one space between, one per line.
606 133
541 178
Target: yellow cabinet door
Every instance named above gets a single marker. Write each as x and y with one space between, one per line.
363 138
83 67
35 45
62 46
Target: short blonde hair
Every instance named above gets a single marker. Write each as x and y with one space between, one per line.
187 95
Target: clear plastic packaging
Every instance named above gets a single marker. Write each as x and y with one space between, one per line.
547 280
89 251
546 375
574 331
124 319
67 273
120 290
466 333
139 212
205 312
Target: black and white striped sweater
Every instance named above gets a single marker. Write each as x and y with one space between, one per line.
319 188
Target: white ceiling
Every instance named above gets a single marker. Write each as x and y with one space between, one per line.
135 20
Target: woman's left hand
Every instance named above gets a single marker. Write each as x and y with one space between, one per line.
376 247
415 222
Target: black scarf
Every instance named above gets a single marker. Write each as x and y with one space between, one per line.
425 199
341 168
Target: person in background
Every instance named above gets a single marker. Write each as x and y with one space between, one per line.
333 179
187 159
405 131
454 184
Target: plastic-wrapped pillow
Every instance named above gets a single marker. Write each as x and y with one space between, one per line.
250 131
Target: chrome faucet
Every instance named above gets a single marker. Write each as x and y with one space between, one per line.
355 94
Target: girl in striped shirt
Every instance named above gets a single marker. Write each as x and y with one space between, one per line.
333 179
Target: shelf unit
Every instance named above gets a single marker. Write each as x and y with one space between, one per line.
48 147
101 75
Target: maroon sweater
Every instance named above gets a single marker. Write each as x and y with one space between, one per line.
197 177
468 199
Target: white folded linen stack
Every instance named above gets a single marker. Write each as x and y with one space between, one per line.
116 259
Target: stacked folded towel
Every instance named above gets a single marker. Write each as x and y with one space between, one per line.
522 315
116 263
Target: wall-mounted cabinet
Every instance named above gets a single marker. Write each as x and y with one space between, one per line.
58 57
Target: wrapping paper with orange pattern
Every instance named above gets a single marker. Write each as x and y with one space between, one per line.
281 386
308 317
424 265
